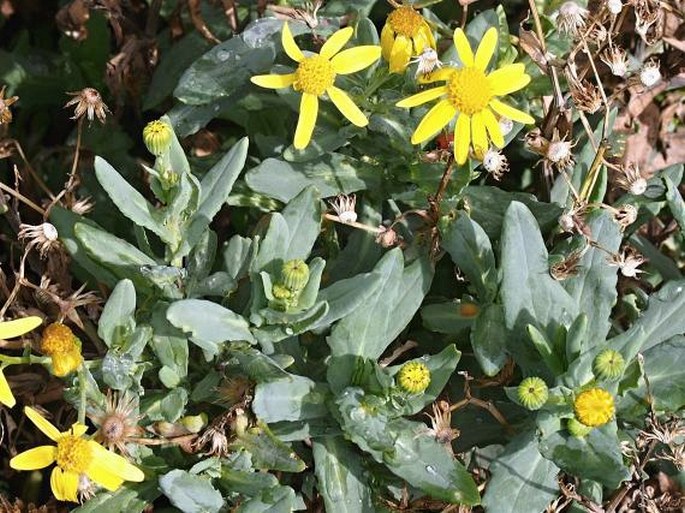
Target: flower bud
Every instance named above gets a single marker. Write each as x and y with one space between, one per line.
533 393
295 275
157 137
194 423
608 365
577 429
414 377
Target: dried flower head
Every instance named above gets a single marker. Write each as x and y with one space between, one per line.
649 20
117 422
89 102
387 237
5 104
345 206
586 96
615 58
568 266
441 424
427 61
650 74
631 180
234 390
558 153
83 205
628 262
571 18
42 236
414 377
495 163
533 393
625 215
614 6
214 441
594 407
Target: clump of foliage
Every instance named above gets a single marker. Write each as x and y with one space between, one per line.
365 256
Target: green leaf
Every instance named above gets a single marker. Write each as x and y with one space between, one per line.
117 320
209 323
529 294
237 255
446 318
597 456
190 493
594 286
132 498
546 350
214 190
280 499
675 202
489 338
109 249
170 346
344 296
302 215
258 366
341 477
245 483
268 452
470 249
664 365
369 329
293 398
522 479
128 200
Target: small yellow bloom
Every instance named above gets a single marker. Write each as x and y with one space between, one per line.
63 347
315 75
471 96
11 329
405 35
414 377
75 456
594 407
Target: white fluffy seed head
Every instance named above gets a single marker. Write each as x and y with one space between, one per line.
615 6
650 74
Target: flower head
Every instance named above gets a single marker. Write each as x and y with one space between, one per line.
88 101
470 96
11 329
344 207
157 137
295 275
63 347
533 393
43 236
75 456
615 6
615 58
632 180
5 104
571 18
315 75
650 74
608 365
414 377
594 407
406 34
495 163
628 262
118 421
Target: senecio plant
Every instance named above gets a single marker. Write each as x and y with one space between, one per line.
321 353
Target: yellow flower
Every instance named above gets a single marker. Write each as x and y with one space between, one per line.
157 137
414 377
315 75
470 95
405 35
594 407
11 329
76 457
63 347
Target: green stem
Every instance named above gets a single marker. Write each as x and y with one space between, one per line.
82 395
26 360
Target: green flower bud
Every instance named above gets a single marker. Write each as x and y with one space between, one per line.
533 393
608 365
414 377
295 274
281 292
577 428
157 137
194 423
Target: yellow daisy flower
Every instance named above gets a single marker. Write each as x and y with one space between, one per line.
11 329
406 34
63 347
470 95
594 407
77 458
315 75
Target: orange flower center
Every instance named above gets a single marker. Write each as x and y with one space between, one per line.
468 90
314 75
405 21
58 338
73 454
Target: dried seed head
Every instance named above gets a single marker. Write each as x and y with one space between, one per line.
625 215
649 18
118 421
5 104
495 163
441 425
614 6
387 237
558 153
89 102
568 266
427 62
650 74
571 18
632 181
628 262
43 236
615 58
83 206
586 96
345 207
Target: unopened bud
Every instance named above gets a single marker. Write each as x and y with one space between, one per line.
157 137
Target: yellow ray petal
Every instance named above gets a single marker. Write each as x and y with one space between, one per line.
434 121
493 128
462 138
442 74
486 49
427 36
478 135
422 97
463 46
273 81
400 54
6 396
508 79
309 109
115 464
355 59
510 112
336 42
346 106
289 44
64 484
41 423
33 459
102 476
387 40
11 329
78 429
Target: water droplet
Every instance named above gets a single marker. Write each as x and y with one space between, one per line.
223 55
431 470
